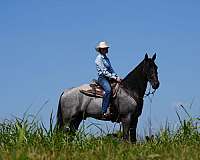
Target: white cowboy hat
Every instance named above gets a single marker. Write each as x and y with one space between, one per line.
102 44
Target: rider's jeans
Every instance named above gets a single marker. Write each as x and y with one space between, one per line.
104 82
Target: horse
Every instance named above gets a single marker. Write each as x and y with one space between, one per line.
75 106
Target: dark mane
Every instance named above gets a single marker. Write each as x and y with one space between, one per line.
136 81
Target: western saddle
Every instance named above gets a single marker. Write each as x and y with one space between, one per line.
95 90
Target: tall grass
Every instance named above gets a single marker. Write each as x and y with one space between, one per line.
27 138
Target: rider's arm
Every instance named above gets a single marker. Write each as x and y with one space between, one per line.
101 68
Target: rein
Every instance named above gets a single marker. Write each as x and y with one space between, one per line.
137 97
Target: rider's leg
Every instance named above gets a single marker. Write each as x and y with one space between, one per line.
103 81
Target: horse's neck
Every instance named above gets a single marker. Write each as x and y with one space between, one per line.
136 82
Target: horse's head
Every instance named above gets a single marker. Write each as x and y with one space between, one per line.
150 69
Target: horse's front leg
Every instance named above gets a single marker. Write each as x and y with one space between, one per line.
133 128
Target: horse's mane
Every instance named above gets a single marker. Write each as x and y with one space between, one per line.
133 74
135 81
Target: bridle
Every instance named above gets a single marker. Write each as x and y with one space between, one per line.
149 92
136 97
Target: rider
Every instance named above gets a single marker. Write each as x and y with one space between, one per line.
105 73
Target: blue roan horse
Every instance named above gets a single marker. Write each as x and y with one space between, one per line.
75 106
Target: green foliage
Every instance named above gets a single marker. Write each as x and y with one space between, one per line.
27 138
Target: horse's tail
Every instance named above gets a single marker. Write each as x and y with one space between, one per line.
59 122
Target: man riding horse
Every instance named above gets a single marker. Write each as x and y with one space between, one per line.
105 73
81 102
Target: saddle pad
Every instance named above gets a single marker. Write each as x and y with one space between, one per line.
91 93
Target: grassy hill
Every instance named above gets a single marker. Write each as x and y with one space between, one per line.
28 139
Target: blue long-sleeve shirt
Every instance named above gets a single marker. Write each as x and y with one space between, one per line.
104 67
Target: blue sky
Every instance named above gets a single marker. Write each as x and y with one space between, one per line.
47 46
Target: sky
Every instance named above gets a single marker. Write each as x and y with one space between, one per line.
48 46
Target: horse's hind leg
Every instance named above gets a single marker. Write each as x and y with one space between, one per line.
71 126
74 124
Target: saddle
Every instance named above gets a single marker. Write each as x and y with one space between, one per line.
95 90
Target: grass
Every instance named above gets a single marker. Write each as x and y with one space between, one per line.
27 138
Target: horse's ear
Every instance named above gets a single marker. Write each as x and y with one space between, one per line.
146 57
154 57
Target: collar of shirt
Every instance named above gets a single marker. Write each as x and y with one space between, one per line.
103 56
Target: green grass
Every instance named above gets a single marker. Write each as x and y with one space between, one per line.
27 138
